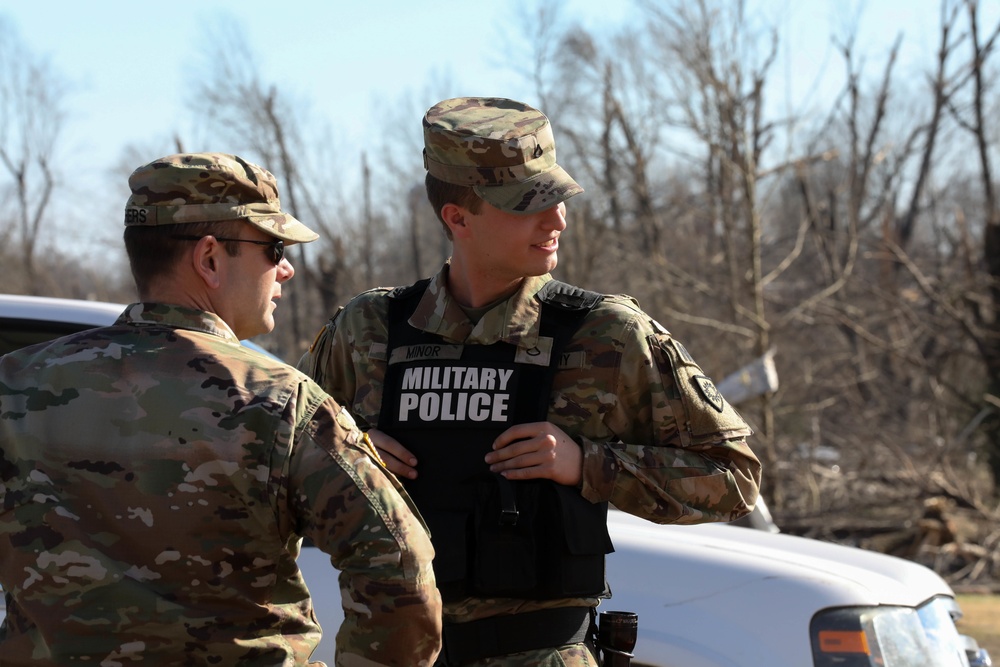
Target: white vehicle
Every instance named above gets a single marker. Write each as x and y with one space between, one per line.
26 320
714 595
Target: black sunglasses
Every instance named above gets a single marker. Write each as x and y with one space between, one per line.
276 249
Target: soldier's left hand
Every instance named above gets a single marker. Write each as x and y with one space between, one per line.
539 450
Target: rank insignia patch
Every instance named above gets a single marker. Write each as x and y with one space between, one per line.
708 391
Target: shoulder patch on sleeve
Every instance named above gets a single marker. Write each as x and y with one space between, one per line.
682 351
706 412
709 392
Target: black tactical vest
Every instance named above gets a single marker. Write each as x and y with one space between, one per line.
446 403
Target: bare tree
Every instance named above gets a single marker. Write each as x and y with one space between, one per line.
986 312
717 80
245 111
32 114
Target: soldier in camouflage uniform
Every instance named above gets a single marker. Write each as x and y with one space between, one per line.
516 497
157 478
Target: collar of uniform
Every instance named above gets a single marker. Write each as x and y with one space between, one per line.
521 313
178 317
515 320
438 313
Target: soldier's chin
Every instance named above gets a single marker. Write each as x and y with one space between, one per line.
266 326
550 265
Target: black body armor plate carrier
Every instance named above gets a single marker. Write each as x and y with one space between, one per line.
446 403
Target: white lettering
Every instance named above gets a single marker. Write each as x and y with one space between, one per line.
446 414
430 406
407 402
468 393
500 407
411 378
505 377
456 377
449 406
479 407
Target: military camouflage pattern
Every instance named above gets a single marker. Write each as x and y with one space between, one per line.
156 481
657 442
503 149
574 655
210 187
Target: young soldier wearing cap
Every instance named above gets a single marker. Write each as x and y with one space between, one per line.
516 407
157 477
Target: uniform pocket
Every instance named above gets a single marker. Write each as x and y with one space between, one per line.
449 532
582 538
506 546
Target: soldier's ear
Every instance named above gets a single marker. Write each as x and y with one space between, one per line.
453 216
205 261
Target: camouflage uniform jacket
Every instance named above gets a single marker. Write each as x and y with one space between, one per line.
658 440
156 479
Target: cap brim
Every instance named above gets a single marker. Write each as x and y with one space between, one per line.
284 227
536 194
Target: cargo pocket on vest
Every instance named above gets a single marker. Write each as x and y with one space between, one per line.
582 537
449 533
506 551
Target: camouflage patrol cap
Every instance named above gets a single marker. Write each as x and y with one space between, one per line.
501 148
210 187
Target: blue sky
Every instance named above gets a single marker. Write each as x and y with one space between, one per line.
130 64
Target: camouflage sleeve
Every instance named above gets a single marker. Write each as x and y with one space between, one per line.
680 455
328 363
345 356
353 509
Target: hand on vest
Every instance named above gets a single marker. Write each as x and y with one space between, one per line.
539 450
397 458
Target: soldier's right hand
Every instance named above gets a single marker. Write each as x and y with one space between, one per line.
398 459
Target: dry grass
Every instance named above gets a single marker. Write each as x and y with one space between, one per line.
982 620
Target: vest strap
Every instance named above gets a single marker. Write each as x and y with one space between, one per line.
568 297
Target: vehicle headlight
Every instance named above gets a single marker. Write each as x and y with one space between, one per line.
888 637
